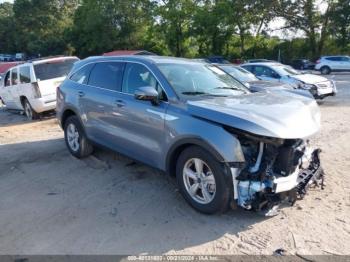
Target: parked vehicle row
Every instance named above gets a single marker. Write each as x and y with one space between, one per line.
257 85
303 64
318 86
225 145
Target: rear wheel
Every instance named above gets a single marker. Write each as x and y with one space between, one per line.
325 70
75 138
29 111
203 181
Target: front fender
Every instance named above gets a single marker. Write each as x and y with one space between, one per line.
224 146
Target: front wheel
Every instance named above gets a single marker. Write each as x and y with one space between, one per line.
325 70
203 181
75 138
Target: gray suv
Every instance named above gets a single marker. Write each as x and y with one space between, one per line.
226 147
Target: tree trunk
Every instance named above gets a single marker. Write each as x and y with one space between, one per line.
324 31
242 39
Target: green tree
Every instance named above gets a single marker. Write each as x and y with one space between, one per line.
6 27
101 26
172 20
340 23
210 27
304 15
40 25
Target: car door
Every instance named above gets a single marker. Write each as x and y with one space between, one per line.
14 92
5 91
24 86
96 100
266 73
334 63
13 89
345 63
139 125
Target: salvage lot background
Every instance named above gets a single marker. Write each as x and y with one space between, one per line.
52 203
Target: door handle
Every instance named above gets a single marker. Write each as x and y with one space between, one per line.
81 93
119 103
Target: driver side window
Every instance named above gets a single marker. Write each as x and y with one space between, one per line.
136 76
265 71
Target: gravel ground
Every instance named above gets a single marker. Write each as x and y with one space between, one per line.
52 203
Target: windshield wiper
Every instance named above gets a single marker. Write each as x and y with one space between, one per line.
229 88
194 93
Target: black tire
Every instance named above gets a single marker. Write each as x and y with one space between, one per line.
223 181
29 111
85 147
325 70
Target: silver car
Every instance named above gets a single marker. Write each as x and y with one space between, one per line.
226 147
328 64
320 87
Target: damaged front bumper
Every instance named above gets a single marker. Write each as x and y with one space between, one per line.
266 193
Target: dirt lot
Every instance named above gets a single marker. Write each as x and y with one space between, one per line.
52 203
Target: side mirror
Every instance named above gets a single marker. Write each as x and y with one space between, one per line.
147 93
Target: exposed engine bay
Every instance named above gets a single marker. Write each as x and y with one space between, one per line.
276 171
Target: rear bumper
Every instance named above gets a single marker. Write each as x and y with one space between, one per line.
43 104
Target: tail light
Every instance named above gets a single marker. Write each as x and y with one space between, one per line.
37 93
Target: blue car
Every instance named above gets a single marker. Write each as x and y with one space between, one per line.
225 145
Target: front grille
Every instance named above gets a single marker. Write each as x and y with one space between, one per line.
324 85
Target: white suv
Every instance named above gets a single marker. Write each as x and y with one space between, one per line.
328 64
32 86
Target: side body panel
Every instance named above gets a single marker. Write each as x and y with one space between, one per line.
184 128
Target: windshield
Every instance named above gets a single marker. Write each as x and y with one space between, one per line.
284 70
54 69
195 79
239 73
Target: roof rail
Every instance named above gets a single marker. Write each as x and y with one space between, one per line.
44 58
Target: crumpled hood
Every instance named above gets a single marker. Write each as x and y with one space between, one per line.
310 78
282 115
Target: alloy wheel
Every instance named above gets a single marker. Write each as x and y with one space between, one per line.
73 137
28 111
199 181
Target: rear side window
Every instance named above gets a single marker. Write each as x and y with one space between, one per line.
14 76
82 75
263 71
107 75
249 68
53 69
24 74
